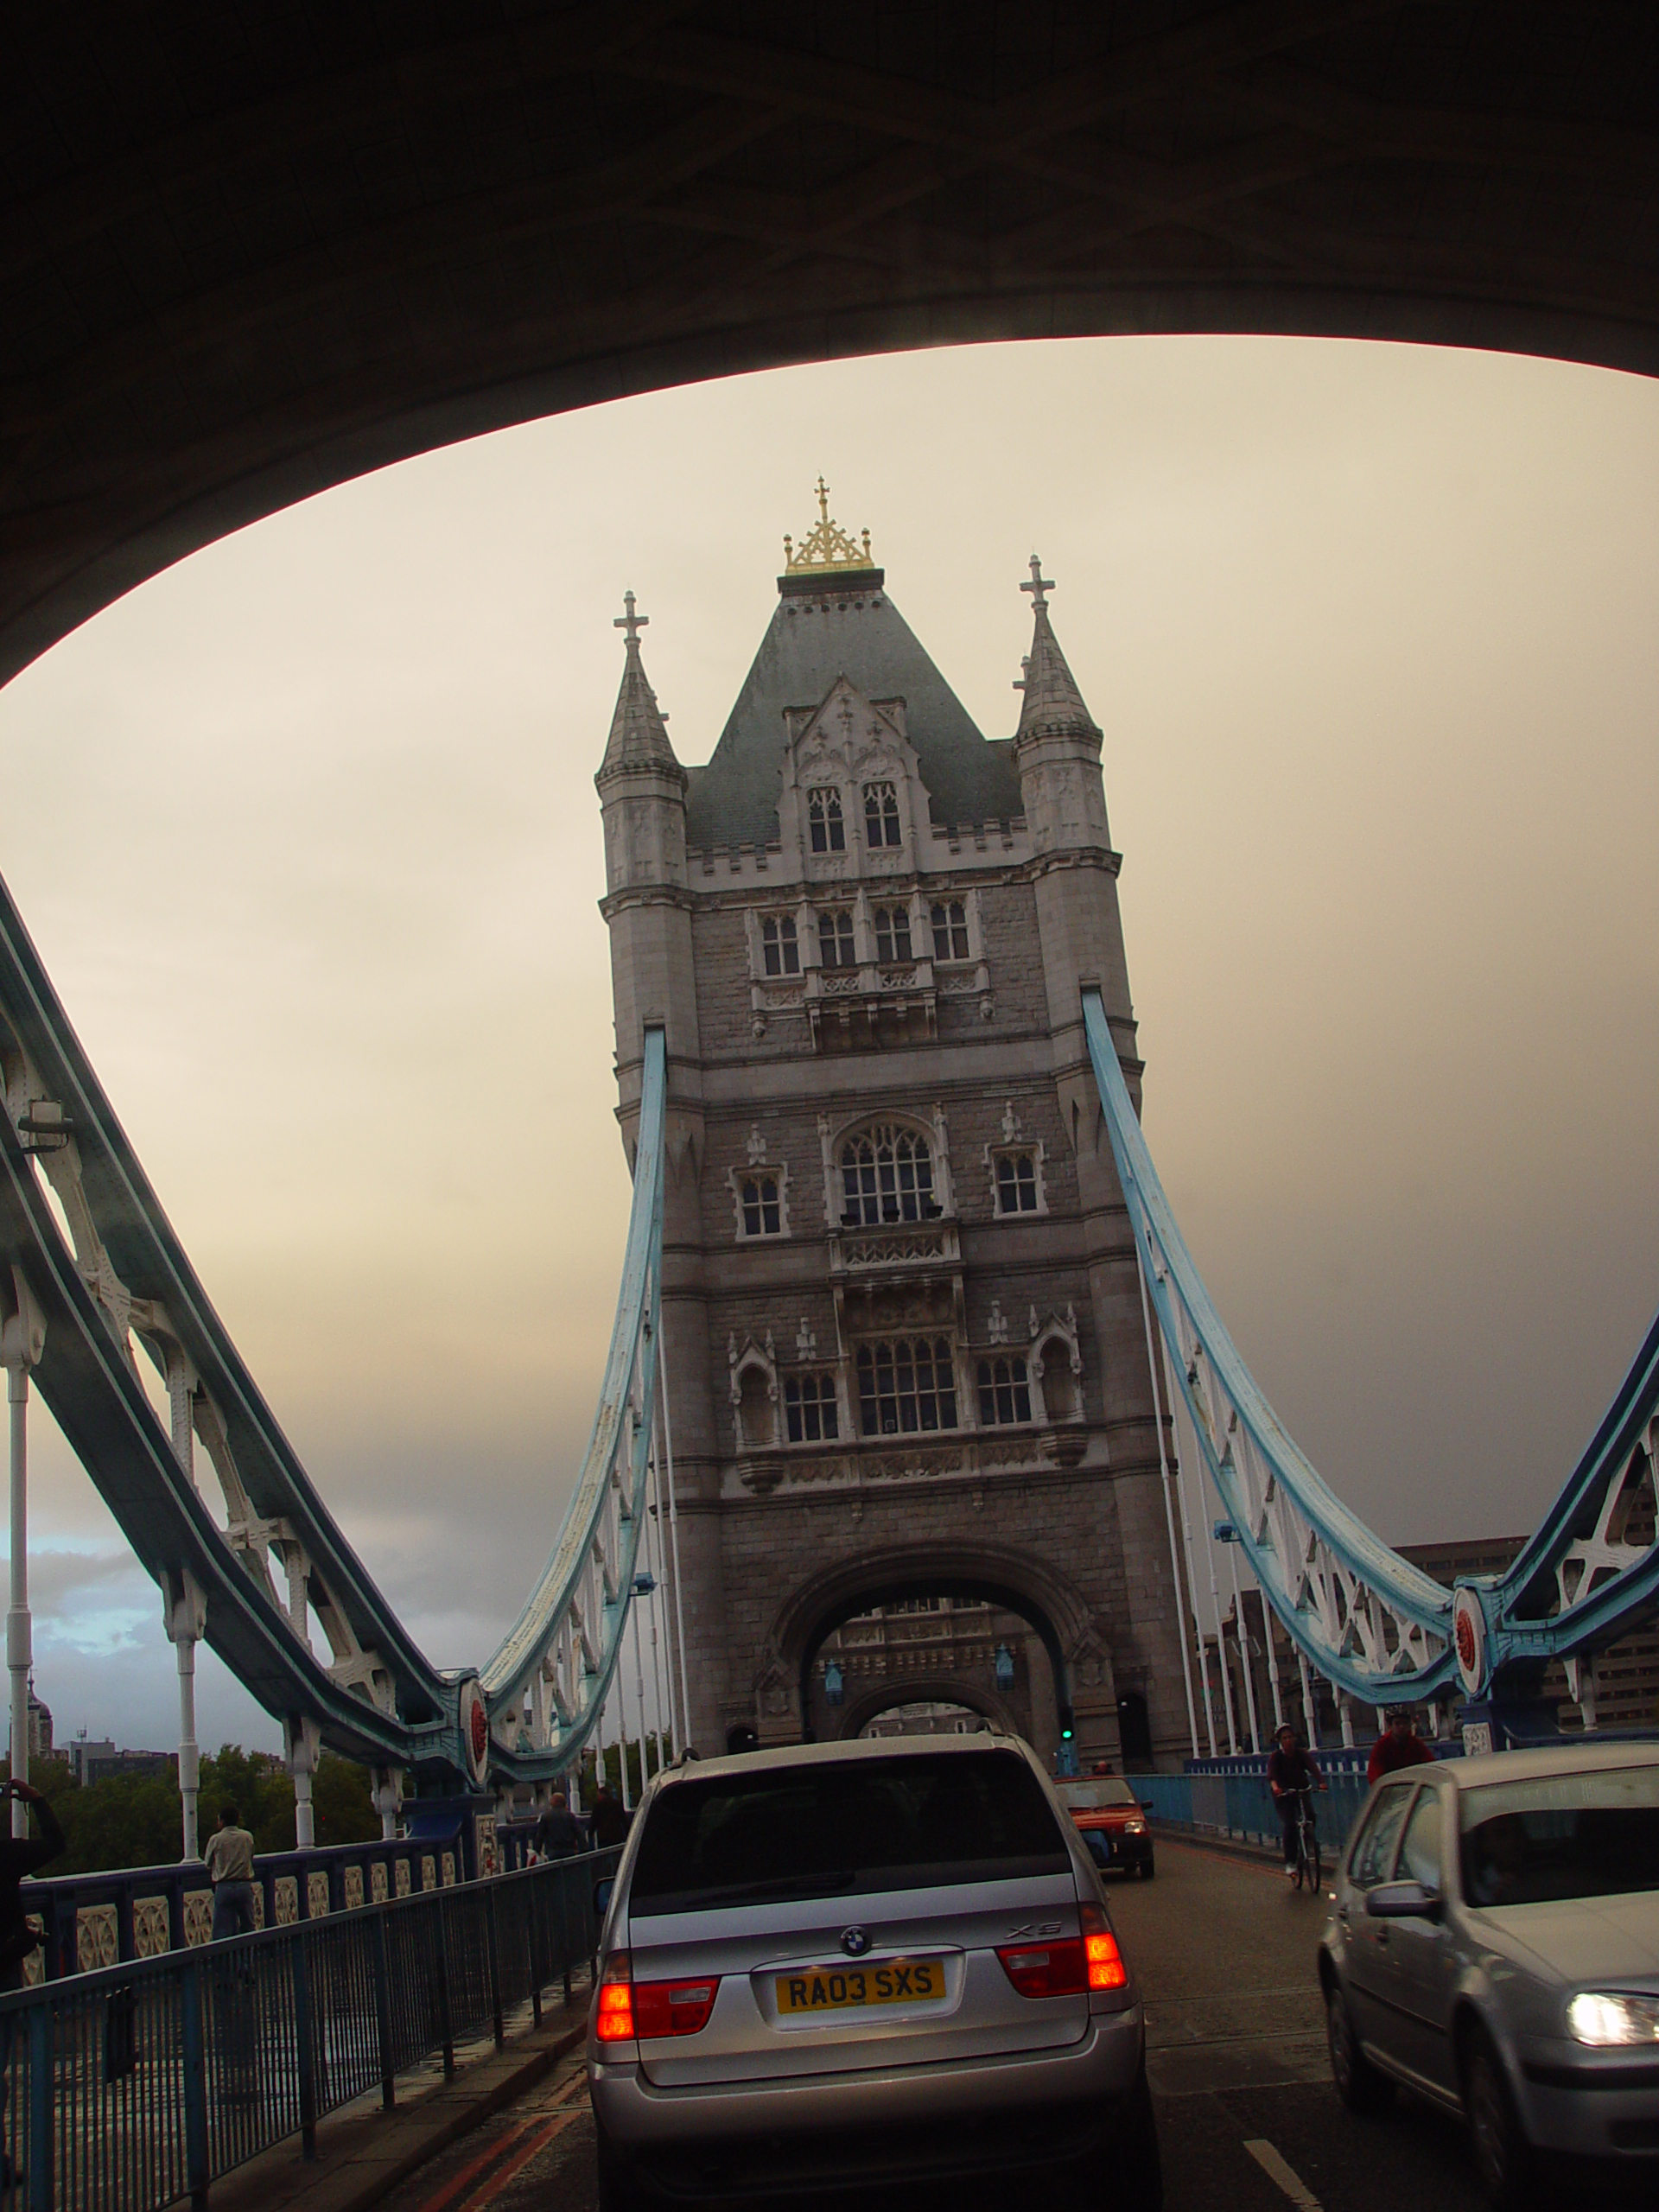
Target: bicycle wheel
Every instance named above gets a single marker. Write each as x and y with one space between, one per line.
1301 1861
1315 1865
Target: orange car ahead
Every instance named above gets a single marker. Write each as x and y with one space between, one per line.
1113 1822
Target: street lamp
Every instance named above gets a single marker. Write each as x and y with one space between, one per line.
833 1684
1003 1664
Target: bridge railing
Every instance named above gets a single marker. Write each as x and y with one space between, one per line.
140 2083
1240 1806
89 1921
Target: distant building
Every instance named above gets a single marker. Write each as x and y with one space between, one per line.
40 1728
1622 1682
96 1759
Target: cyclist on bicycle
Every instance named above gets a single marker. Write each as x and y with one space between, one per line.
1291 1770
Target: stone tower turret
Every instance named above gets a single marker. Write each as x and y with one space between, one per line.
642 800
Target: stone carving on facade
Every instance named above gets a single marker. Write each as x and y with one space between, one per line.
753 1388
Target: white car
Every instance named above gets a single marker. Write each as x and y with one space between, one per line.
1493 1944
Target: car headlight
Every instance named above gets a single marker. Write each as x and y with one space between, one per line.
1135 1827
1605 2017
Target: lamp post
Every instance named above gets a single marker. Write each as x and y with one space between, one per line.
22 1339
833 1684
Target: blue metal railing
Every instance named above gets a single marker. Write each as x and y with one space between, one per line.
1240 1806
140 2083
89 1921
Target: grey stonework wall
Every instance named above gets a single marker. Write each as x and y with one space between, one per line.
1062 1521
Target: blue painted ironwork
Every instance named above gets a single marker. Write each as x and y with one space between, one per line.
117 1286
146 2082
1374 1625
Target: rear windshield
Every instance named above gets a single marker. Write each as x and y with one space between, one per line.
1564 1836
842 1828
1093 1795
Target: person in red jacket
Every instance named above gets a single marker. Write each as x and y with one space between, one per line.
1398 1745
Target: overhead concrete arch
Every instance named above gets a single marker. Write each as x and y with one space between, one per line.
246 258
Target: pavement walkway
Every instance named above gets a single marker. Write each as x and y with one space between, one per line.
364 2152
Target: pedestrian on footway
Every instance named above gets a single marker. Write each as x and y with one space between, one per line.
229 1869
608 1820
559 1833
1398 1745
1290 1770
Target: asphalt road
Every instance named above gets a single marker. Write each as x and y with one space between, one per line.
1247 2117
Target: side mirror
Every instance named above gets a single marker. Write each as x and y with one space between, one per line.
1147 1804
602 1895
1403 1901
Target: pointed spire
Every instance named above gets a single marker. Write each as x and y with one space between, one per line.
1051 704
639 732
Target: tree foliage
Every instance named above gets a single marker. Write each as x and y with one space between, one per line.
138 1819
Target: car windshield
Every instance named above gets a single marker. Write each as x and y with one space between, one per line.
837 1828
1592 1834
1095 1795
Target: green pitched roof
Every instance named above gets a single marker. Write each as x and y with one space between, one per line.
852 630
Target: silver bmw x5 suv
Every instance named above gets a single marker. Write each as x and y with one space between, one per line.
842 1965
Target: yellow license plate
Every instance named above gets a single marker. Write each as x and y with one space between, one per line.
836 1989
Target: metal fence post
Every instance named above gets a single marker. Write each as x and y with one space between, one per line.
494 1952
40 2103
305 2058
382 2008
440 1976
537 1949
195 2091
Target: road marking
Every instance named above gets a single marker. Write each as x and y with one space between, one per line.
533 2146
1285 2176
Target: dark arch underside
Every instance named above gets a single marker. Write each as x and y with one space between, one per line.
246 255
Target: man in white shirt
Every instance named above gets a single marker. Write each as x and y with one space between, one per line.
230 1867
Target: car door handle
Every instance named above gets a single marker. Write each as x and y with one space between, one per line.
1383 1939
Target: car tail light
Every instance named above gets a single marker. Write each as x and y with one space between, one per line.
674 2008
613 2019
1056 1968
1105 1961
1067 1965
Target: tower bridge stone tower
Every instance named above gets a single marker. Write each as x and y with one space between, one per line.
902 1325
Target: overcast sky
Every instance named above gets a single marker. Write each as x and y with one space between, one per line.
305 831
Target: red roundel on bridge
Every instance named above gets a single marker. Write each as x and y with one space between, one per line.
481 1728
475 1718
1469 1636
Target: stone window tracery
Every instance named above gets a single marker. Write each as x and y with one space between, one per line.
882 816
825 826
836 947
906 1384
1017 1182
887 1176
761 1213
811 1413
780 952
949 919
1004 1393
893 933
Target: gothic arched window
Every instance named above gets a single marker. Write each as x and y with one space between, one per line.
881 815
780 953
823 820
893 933
835 943
886 1175
1004 1393
950 922
761 1217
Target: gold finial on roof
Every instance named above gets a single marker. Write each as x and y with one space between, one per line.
826 545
